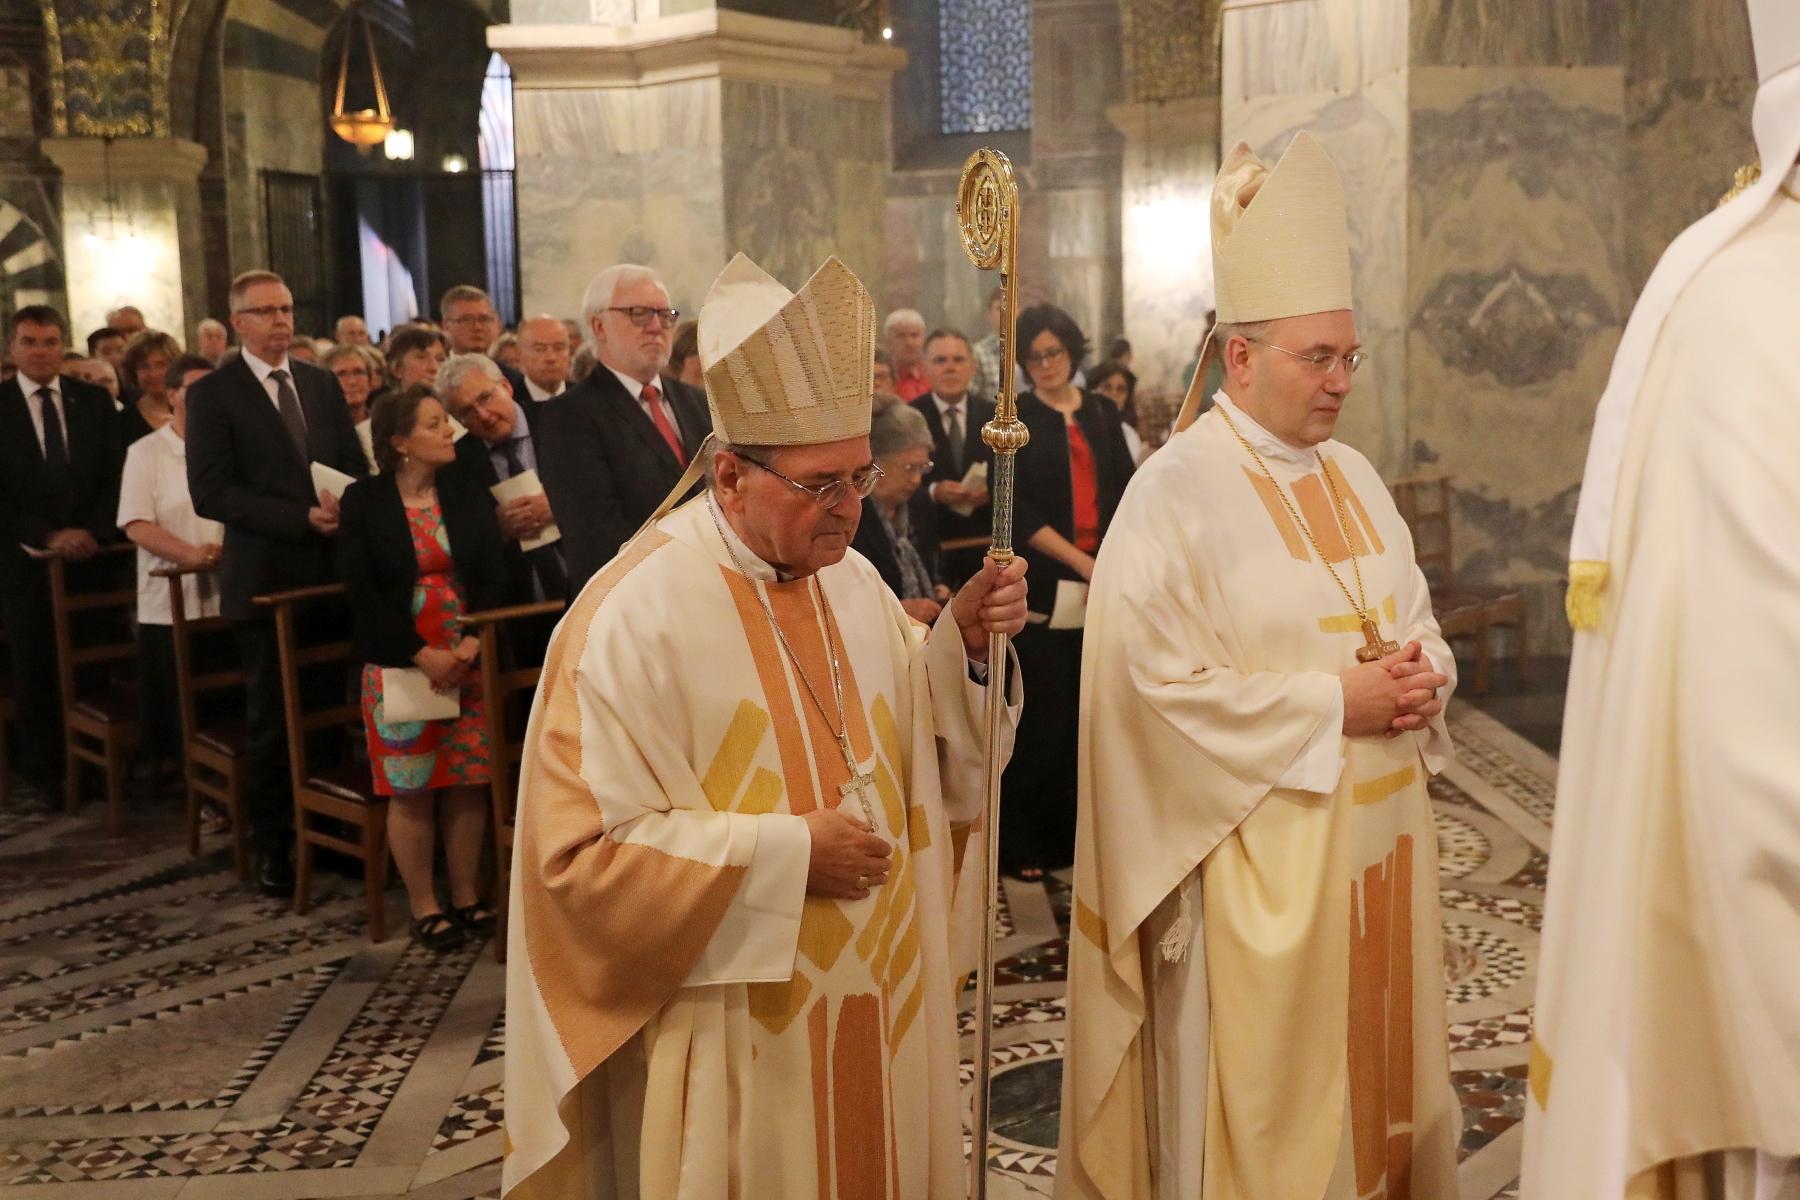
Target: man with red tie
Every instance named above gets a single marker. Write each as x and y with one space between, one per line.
613 446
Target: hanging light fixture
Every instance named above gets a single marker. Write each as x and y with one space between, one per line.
369 126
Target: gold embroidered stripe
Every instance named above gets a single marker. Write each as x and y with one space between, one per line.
1278 513
732 761
1356 505
1376 790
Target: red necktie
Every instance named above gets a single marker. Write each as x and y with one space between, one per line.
653 399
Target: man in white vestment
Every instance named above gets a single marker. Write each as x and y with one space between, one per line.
748 783
1667 1053
1256 991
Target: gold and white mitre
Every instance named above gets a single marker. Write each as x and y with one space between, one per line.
1281 241
786 369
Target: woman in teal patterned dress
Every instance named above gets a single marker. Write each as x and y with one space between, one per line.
418 549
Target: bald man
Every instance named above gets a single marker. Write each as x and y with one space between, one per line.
544 357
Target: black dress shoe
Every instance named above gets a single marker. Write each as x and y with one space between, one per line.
272 874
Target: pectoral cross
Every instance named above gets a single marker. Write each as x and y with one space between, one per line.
858 782
1376 649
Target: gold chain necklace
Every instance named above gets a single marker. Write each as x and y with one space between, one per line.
859 780
1374 646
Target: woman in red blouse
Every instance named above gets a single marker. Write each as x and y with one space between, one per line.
1070 477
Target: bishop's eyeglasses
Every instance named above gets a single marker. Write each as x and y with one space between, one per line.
829 495
1319 364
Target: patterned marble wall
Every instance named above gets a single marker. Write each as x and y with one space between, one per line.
1337 68
1517 291
797 169
609 175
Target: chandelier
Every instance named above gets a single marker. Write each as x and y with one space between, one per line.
370 126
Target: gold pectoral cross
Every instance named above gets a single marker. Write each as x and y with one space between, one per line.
858 782
1375 648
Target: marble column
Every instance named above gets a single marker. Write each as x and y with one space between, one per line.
677 141
143 249
1170 124
1171 157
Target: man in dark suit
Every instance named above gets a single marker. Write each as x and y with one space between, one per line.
955 417
468 315
498 446
60 460
254 428
610 448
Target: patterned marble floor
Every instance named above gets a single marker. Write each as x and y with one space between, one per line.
164 1032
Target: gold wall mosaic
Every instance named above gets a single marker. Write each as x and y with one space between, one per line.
109 67
1171 49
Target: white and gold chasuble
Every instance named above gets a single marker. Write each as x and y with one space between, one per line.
1256 995
682 1019
1668 997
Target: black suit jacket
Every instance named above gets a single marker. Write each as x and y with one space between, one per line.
380 567
91 433
976 413
475 464
1044 491
604 465
243 470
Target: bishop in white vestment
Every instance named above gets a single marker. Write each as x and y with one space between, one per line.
748 784
1256 995
1666 1060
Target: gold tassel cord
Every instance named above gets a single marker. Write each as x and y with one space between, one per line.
1587 583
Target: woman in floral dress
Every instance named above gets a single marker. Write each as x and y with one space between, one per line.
419 549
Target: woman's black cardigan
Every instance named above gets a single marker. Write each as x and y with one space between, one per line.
1044 490
379 567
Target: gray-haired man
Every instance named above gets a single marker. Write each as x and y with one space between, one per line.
613 445
498 447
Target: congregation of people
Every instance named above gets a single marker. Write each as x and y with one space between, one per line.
453 466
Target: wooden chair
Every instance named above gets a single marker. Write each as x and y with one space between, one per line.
101 728
9 711
213 754
498 686
1462 610
345 793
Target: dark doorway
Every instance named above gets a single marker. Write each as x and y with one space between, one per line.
420 215
294 216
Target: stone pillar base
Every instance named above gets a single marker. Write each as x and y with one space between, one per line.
146 249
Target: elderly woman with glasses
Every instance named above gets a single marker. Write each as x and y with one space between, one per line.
357 376
1070 478
897 535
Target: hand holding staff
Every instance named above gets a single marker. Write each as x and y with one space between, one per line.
987 209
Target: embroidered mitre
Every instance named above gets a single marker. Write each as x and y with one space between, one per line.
1281 243
786 369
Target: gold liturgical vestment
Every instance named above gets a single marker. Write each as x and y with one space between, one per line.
682 1020
1256 990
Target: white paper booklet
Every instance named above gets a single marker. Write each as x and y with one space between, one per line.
407 695
330 480
974 477
1071 605
526 484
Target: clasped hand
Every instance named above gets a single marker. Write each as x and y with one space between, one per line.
1394 695
448 669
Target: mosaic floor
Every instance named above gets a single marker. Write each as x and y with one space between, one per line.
164 1032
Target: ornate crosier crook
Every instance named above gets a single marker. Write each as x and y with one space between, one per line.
987 210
